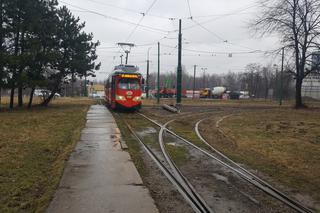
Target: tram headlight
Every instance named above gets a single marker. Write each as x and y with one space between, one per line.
137 98
120 98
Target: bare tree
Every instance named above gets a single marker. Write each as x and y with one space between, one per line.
297 22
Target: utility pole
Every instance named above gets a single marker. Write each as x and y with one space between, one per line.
147 80
179 70
281 76
194 79
204 77
158 92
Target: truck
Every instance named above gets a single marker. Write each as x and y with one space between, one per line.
215 92
205 93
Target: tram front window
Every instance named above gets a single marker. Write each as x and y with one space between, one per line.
129 84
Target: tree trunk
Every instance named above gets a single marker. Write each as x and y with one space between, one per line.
12 97
72 85
47 100
31 97
299 103
1 47
0 95
20 96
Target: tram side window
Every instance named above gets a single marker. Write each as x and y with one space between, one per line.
129 83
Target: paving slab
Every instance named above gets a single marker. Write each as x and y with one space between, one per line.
100 176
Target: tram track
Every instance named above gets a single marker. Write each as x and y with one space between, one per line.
233 166
177 173
173 174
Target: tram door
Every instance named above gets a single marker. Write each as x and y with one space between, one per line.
113 88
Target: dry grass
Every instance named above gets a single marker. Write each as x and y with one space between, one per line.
233 103
285 144
34 145
6 100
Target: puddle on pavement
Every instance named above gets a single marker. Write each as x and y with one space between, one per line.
221 177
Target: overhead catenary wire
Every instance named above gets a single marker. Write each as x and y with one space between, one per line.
220 38
190 13
211 32
117 19
235 12
151 28
220 52
137 12
141 19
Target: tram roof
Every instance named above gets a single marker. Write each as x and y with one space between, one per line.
126 69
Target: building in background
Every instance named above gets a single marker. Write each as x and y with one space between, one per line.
311 84
95 90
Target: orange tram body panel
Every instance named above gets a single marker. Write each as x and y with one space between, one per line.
123 88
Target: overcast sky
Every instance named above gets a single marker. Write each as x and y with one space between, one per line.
217 29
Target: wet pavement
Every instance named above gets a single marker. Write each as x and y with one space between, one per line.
100 176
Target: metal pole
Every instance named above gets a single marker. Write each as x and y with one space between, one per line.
158 92
194 80
179 70
121 56
127 55
147 80
85 85
281 76
204 78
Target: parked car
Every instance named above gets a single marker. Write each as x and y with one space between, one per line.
43 93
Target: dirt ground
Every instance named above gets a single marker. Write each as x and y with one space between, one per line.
223 190
283 144
290 183
166 197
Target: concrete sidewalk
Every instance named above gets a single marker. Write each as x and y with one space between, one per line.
100 176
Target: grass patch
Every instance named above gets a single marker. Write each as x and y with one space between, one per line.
285 144
185 129
231 103
179 154
34 145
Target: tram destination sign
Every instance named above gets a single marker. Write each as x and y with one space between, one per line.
129 76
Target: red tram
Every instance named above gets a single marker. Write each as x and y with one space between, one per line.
123 88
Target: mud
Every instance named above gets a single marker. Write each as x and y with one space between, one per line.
167 198
223 190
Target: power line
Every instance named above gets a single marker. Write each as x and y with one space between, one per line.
206 29
188 2
214 19
212 33
222 39
131 10
141 19
116 19
220 52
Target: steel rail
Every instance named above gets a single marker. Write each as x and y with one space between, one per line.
177 173
291 203
185 194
